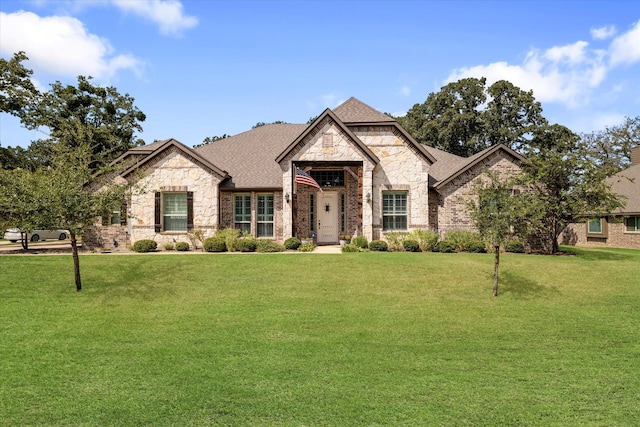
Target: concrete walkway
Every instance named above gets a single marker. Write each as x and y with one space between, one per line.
327 249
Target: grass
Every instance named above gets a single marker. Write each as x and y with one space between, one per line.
333 340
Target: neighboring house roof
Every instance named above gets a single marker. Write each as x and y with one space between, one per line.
627 183
159 147
249 156
317 122
449 166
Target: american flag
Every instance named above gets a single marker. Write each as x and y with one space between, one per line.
303 178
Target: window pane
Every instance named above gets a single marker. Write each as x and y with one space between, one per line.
265 215
595 225
175 211
633 223
394 211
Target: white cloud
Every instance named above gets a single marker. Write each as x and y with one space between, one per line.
62 46
603 33
625 49
168 14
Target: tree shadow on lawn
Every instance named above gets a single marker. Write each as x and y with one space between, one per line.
523 287
608 254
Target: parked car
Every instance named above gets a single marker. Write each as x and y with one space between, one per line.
13 235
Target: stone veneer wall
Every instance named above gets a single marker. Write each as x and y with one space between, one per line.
103 236
401 168
453 214
174 172
617 236
327 144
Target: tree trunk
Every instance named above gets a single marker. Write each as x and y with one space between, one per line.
76 260
495 271
24 241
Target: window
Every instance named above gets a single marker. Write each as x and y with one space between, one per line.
328 178
394 211
594 226
343 213
174 211
633 224
265 215
242 212
116 218
312 212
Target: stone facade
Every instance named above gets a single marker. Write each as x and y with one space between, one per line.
173 172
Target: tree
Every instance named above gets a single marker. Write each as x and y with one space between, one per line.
563 181
17 92
458 119
501 213
211 139
611 148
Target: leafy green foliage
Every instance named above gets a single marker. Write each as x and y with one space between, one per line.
306 247
145 245
350 247
611 148
215 244
427 239
269 246
394 239
169 246
411 245
445 246
458 119
378 246
292 243
515 246
182 246
360 241
246 244
230 237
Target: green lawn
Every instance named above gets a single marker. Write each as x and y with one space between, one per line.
386 339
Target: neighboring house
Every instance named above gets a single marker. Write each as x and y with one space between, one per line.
375 178
621 229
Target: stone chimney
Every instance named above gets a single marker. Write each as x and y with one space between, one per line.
635 155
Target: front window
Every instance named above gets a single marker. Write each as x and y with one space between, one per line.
394 211
265 215
594 226
633 224
174 211
328 178
242 212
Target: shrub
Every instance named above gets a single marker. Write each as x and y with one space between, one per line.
214 244
378 245
445 247
514 246
230 237
394 239
411 245
247 244
306 247
350 247
169 247
292 243
427 239
476 246
268 246
360 241
462 240
182 246
145 245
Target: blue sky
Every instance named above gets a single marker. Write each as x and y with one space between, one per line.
201 68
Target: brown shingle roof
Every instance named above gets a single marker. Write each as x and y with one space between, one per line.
627 183
355 111
249 156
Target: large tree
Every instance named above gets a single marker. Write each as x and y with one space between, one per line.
611 147
466 116
17 91
563 181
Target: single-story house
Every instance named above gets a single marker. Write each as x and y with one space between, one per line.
373 178
621 229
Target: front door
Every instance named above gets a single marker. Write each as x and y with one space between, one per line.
327 217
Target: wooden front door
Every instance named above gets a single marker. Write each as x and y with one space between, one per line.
328 225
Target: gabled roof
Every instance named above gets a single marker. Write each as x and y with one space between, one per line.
627 183
248 156
355 111
329 114
159 147
449 166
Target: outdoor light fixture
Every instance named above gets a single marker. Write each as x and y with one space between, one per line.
286 197
368 197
